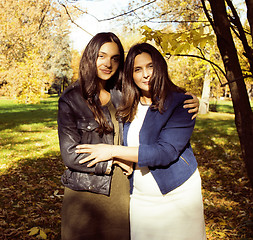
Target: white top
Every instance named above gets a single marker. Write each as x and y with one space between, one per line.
175 215
144 181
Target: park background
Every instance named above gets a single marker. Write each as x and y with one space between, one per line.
41 45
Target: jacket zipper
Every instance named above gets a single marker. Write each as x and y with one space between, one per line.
185 160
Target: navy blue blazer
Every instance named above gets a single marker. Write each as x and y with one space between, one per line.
165 144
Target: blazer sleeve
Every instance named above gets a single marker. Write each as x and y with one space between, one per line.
70 137
172 139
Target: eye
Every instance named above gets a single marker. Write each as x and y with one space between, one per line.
100 55
138 69
150 65
115 59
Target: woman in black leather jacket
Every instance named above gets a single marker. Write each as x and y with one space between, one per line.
96 199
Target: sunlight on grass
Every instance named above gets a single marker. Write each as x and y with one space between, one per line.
31 166
32 135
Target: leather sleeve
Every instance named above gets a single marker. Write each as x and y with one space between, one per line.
73 129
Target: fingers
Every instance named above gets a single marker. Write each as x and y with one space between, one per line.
189 105
193 110
83 150
192 104
84 146
92 163
194 116
191 100
98 153
188 93
194 100
87 159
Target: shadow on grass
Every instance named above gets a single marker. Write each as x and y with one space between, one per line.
221 108
30 193
31 196
226 188
14 115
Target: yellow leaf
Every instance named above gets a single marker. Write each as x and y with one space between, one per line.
201 30
33 231
223 223
222 234
146 28
43 235
203 43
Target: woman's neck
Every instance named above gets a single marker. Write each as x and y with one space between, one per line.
104 96
145 100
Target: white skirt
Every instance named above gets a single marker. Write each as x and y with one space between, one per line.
177 215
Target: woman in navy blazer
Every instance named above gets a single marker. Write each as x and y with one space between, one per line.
166 200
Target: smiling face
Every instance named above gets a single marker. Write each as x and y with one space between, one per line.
108 60
143 70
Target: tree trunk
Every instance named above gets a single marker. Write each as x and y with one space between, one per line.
243 112
204 101
249 4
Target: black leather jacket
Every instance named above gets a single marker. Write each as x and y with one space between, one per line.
76 125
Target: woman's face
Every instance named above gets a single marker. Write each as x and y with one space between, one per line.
108 60
143 70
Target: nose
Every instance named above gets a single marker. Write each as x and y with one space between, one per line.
108 63
146 73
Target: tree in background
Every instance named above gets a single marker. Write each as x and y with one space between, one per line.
29 34
59 58
224 19
75 60
182 33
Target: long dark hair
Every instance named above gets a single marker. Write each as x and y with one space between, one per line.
89 80
160 83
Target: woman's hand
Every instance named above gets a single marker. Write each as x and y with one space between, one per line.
98 153
126 166
193 104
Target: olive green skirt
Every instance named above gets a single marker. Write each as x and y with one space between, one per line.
92 216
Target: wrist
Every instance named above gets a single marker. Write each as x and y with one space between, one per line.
112 151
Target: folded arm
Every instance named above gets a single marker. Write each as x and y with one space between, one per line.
173 138
70 137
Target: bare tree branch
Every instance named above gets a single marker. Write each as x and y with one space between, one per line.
207 14
213 64
44 12
65 7
175 21
241 34
85 12
202 58
131 11
117 16
201 52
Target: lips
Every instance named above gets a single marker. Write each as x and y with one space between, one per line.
106 71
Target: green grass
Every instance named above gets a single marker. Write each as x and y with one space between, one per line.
31 166
223 106
27 131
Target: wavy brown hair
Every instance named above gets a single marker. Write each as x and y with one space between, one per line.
89 80
160 83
